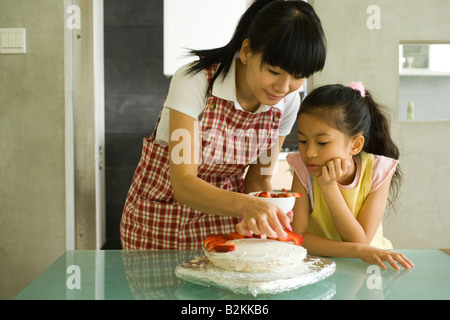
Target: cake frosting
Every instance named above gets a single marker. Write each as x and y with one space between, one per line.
259 255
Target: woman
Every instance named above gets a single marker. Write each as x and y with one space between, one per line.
225 117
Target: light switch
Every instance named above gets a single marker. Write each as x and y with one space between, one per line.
13 40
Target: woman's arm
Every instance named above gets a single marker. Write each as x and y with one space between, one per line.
196 193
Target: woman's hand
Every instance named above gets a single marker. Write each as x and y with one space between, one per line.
261 217
373 255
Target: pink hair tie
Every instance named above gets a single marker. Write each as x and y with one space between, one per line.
358 86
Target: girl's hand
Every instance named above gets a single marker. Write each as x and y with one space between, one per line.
332 171
373 255
262 217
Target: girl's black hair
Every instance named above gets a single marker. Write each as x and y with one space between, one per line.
344 109
288 34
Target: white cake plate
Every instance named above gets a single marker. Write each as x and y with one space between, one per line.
201 271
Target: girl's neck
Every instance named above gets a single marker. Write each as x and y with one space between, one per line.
351 173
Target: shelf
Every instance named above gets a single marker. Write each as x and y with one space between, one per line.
421 72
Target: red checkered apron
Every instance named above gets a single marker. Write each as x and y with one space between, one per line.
154 219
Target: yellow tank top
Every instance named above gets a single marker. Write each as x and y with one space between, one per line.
320 220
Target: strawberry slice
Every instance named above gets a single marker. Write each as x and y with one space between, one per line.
209 243
264 194
228 237
295 237
220 242
236 235
216 236
224 247
292 237
224 242
285 239
288 195
212 240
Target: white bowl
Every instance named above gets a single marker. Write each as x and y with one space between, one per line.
285 204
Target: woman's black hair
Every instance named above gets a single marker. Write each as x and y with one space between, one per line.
346 110
288 34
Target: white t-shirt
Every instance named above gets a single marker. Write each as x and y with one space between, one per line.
187 95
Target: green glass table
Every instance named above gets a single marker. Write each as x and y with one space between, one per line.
138 275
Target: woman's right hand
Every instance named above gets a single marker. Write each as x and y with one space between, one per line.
261 217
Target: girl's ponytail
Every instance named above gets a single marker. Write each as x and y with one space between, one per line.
379 140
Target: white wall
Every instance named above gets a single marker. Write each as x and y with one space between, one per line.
210 30
356 52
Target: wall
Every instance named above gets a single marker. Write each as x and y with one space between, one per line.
355 52
421 90
32 162
135 89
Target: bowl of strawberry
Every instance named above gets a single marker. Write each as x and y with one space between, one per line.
282 199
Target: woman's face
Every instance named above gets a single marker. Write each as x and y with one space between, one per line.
267 83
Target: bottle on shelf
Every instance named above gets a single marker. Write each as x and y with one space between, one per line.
410 111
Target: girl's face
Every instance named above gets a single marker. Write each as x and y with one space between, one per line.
320 143
268 84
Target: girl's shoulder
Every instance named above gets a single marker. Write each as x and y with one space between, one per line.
383 168
295 161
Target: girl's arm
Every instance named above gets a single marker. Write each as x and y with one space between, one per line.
262 217
316 245
363 228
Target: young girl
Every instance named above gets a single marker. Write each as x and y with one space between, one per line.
346 165
190 180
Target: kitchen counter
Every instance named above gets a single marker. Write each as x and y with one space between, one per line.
137 275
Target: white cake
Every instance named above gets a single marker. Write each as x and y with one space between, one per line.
259 255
